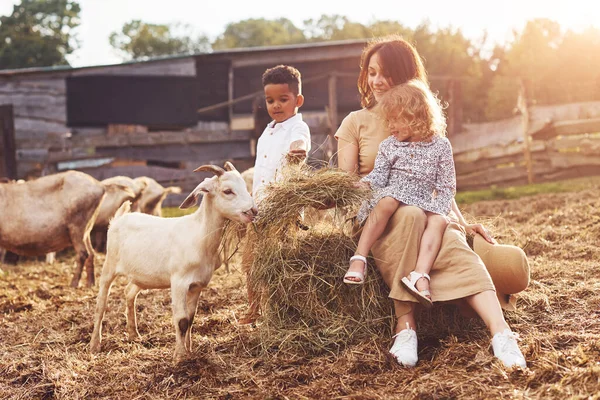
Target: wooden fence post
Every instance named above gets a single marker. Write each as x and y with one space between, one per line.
523 108
333 113
455 107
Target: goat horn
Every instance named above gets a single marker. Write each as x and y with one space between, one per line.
218 171
229 166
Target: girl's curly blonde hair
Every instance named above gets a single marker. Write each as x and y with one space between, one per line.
414 103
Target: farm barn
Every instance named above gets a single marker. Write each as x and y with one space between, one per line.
162 118
45 326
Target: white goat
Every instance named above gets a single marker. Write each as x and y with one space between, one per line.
180 253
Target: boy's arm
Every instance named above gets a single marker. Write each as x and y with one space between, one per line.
300 143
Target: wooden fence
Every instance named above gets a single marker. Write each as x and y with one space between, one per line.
545 143
541 143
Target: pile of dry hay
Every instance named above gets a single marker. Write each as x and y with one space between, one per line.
306 308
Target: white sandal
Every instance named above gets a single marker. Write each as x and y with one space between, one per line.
410 285
355 274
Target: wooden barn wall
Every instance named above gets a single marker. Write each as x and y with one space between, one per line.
40 103
249 79
213 88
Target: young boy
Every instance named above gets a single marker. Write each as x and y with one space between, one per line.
286 135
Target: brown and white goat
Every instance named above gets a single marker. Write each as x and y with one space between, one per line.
49 214
178 253
153 195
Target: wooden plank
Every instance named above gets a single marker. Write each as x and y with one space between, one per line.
122 129
148 139
200 153
570 160
493 152
481 135
585 145
184 66
275 56
540 116
482 164
567 128
496 176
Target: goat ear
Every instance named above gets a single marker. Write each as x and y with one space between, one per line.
207 185
190 201
229 166
218 171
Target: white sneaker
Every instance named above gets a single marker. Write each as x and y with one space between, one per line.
507 350
405 347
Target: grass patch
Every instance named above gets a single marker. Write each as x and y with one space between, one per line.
515 192
170 212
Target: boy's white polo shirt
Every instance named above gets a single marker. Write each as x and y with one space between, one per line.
272 147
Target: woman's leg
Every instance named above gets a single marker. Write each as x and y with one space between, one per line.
405 344
504 341
374 227
430 247
486 305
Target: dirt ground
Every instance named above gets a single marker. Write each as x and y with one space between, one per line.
45 327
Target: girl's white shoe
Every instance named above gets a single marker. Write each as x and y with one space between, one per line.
506 349
360 275
410 282
405 347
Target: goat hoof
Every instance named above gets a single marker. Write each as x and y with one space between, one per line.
134 337
179 357
94 347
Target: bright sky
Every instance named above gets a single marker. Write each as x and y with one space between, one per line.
101 17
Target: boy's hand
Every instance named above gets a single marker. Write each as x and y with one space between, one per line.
297 152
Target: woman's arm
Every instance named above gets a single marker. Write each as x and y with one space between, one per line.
472 228
347 154
380 175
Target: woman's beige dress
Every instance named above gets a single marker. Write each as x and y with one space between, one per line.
457 272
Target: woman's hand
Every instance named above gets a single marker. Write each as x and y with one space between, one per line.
362 185
480 229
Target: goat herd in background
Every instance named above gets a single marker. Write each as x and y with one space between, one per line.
150 251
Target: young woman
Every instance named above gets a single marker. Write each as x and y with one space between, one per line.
457 273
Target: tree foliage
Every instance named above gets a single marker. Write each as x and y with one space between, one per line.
139 40
259 32
38 33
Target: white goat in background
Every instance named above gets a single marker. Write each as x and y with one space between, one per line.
180 253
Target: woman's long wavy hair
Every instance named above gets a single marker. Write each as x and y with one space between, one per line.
415 105
399 60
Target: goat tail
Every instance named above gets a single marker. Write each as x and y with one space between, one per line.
124 209
173 189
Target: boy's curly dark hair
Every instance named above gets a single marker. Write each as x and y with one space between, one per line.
282 74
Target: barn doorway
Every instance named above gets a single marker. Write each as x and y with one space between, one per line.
8 161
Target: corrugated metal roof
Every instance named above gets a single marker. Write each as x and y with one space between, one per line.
220 53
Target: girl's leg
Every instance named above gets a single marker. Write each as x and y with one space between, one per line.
430 246
374 227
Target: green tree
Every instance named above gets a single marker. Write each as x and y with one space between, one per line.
38 33
259 32
385 27
334 27
139 40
